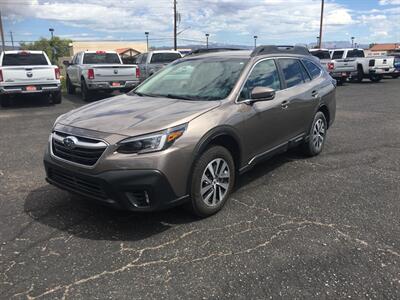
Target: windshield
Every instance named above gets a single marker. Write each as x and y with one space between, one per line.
101 58
321 54
24 59
198 79
162 58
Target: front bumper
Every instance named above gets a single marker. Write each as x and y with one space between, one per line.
108 85
27 88
134 190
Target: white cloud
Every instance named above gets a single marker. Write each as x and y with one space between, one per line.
226 20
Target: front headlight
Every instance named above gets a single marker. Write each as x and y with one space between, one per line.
151 142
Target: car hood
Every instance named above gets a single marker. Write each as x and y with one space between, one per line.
133 115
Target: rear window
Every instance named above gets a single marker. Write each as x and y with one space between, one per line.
292 72
100 58
24 59
321 54
337 54
312 68
355 53
162 58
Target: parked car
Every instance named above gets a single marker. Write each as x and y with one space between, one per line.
100 71
153 61
367 67
186 133
28 72
339 69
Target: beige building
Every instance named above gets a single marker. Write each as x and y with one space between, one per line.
78 46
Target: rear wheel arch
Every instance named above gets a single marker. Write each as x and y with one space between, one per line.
325 110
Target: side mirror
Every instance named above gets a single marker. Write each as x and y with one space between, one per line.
66 63
260 93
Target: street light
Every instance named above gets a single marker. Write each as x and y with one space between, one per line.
147 39
255 41
51 32
317 42
352 41
207 36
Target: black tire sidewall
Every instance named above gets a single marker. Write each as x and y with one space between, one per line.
198 207
84 91
309 146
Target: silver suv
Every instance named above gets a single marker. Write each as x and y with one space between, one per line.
185 134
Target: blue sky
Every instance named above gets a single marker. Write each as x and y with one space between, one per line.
227 21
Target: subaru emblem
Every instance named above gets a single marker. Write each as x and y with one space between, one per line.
70 142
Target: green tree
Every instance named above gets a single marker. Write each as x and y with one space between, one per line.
54 48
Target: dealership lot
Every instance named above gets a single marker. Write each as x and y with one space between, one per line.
295 227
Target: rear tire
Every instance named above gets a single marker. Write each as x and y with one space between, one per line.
5 100
56 97
375 78
86 94
317 136
212 181
360 74
70 87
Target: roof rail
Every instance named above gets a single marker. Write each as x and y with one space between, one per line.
272 49
210 50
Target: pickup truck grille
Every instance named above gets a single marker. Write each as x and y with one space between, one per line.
80 150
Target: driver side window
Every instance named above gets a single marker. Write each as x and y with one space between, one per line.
264 74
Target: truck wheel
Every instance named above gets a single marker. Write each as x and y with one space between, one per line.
317 136
56 97
375 78
5 100
86 94
70 87
212 181
360 74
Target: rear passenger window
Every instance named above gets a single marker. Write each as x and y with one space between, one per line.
292 71
312 68
264 74
337 54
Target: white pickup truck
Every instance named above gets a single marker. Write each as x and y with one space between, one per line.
339 69
28 72
373 68
100 71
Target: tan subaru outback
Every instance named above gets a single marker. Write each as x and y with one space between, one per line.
186 133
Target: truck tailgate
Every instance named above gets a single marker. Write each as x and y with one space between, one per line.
115 72
28 74
345 65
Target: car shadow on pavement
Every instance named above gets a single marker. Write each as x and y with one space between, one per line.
86 219
26 101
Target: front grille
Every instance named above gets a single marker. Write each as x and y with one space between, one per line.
85 151
77 183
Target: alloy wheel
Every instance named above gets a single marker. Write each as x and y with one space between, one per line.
215 182
318 134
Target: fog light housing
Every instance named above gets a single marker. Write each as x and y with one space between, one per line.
139 199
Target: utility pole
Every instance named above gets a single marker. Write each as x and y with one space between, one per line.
352 41
12 39
175 27
207 36
321 23
147 40
255 41
3 46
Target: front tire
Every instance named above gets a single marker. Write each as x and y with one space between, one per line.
317 136
212 181
86 94
70 87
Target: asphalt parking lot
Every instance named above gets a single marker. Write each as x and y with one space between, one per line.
325 227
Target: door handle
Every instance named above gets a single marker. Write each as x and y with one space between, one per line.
285 104
314 94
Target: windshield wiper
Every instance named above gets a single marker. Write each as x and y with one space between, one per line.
180 97
145 95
